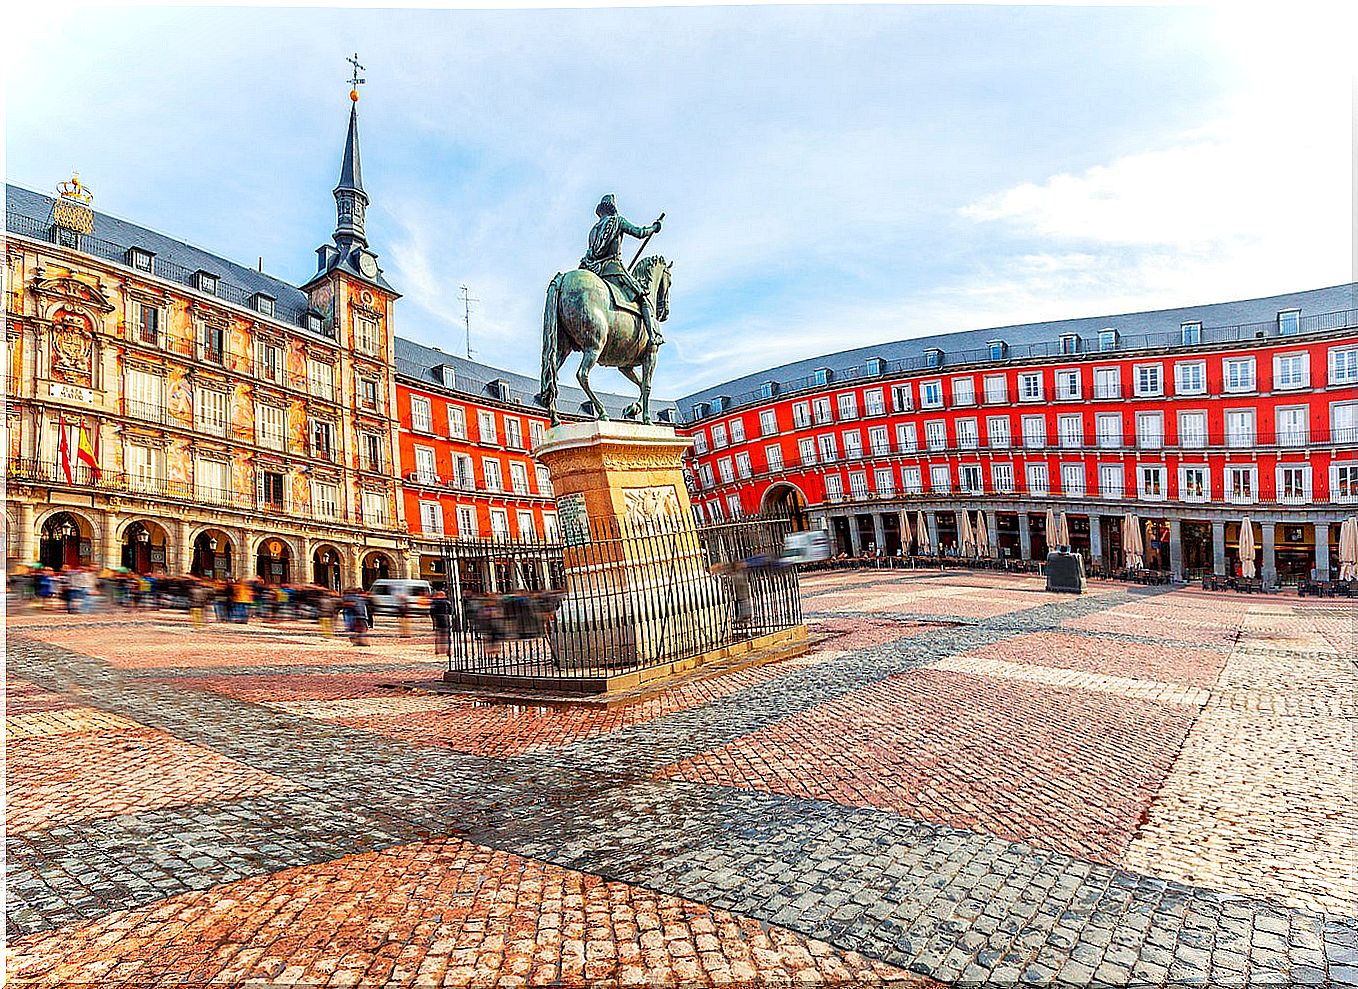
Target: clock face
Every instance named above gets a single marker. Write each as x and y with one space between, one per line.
368 265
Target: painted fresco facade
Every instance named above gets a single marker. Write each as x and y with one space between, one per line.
1190 426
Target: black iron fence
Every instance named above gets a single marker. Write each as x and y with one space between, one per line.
612 598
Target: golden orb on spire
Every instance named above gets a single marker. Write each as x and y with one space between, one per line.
353 95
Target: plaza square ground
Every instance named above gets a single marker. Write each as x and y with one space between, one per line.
967 780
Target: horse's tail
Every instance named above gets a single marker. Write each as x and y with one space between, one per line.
550 343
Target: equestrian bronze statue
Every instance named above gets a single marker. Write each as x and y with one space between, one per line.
607 311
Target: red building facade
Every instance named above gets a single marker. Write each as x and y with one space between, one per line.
1191 428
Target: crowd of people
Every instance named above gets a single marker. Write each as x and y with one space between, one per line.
81 590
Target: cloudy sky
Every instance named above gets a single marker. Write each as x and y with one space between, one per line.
832 176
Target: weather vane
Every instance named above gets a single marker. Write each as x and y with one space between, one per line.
356 80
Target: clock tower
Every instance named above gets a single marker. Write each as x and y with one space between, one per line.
352 306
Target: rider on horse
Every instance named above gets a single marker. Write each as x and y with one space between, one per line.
604 258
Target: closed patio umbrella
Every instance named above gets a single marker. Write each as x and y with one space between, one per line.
1245 547
1049 531
905 533
1348 548
966 536
1062 530
922 534
983 547
1133 549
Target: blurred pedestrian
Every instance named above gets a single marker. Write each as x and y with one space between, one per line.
441 615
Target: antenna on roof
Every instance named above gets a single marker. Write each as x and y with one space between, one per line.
467 300
261 264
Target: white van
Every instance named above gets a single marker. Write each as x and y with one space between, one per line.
387 595
811 546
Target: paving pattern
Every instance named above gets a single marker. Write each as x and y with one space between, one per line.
969 781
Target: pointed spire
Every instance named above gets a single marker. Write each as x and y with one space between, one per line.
351 171
351 201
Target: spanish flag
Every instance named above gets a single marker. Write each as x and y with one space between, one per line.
88 453
64 449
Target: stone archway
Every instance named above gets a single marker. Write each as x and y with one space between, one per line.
325 566
66 539
274 560
145 547
786 500
376 566
213 555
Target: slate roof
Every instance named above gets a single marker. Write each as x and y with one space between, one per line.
415 360
29 213
1221 321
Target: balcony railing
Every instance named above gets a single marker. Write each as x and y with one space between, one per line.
1017 353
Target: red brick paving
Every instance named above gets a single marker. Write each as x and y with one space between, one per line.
866 633
1064 769
259 688
23 697
56 779
1137 660
437 912
505 730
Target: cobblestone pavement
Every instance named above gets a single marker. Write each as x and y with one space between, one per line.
969 780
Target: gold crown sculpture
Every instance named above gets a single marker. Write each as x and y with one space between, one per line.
72 210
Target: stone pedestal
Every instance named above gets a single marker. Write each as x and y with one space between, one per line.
637 580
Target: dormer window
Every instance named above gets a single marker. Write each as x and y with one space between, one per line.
1108 339
263 303
699 410
876 365
1070 343
768 389
933 357
313 321
140 259
721 403
1190 333
446 374
205 281
499 388
665 415
1289 322
999 350
821 376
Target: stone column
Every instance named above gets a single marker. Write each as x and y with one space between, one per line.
183 552
992 528
931 523
1025 537
304 570
28 537
1269 571
855 542
1176 549
1322 550
1219 548
879 531
112 557
1096 539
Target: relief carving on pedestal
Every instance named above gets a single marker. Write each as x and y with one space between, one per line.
651 504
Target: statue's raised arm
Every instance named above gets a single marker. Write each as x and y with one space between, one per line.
607 310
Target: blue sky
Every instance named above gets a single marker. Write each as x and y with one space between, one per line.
832 176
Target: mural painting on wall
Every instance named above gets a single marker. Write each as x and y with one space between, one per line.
178 333
177 461
242 413
15 431
238 348
301 492
72 348
296 364
323 299
179 400
240 472
297 426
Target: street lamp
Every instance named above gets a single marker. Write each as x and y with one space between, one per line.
212 543
67 530
143 536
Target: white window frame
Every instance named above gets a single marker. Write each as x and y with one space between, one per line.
940 478
1034 437
1074 470
1235 438
1030 388
773 457
1233 471
996 389
1343 365
1146 491
1116 473
936 434
1304 496
1193 439
907 437
1287 436
998 435
1068 385
1150 430
1070 431
1194 496
912 481
964 391
1243 370
1108 438
421 414
1142 384
846 403
1038 476
1344 482
931 394
1198 370
968 435
1283 382
1002 477
1102 389
768 422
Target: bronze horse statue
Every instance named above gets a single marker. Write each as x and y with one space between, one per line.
580 315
